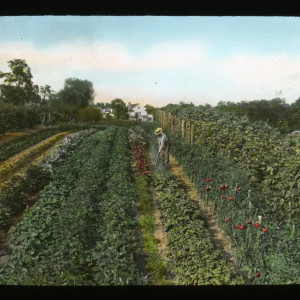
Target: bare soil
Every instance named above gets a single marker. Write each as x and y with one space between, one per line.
34 160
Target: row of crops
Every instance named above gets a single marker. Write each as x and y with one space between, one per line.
248 175
93 219
82 230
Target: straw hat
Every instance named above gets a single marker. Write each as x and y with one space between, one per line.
158 131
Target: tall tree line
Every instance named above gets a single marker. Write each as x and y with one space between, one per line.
24 104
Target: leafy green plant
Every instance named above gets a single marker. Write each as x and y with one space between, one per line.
253 247
194 259
82 230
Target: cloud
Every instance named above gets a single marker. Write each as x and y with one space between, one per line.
112 63
104 56
264 74
183 70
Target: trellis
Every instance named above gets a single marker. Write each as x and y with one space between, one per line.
176 125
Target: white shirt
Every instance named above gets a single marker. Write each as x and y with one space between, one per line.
162 140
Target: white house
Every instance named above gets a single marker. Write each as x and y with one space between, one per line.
105 111
138 111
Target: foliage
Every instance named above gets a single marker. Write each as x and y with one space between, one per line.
151 110
15 197
20 160
20 190
120 110
77 92
88 114
256 250
262 150
82 229
13 117
194 259
155 264
18 87
11 148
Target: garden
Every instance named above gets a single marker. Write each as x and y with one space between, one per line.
85 206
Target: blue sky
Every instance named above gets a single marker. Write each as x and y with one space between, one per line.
160 59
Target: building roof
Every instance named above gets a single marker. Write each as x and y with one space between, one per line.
133 105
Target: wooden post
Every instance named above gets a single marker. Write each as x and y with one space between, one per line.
188 132
192 133
182 127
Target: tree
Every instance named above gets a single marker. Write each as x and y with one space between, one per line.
88 114
120 109
294 116
18 87
46 93
103 105
150 109
77 92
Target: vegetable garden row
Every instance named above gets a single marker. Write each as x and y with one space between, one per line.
93 220
249 175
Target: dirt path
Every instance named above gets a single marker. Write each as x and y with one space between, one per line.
219 237
26 158
160 233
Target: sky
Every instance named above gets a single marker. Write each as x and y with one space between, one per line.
159 60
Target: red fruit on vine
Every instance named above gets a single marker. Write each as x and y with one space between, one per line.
184 154
208 179
257 225
222 187
207 188
257 275
226 186
230 198
194 171
265 230
243 227
236 226
249 222
228 219
239 188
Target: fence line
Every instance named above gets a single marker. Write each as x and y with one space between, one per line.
176 125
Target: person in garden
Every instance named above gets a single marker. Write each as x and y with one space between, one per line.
163 146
